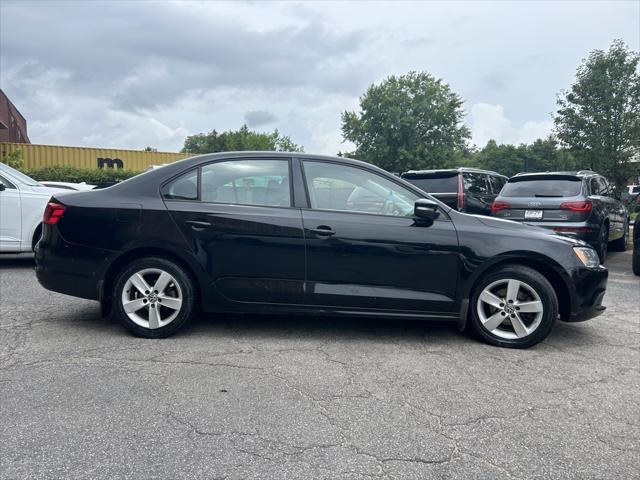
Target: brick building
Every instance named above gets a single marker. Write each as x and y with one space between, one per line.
13 126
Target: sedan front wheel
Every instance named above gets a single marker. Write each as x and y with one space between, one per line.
515 306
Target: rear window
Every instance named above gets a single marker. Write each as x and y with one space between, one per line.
436 184
542 188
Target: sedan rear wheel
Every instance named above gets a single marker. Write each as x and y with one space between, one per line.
153 297
514 307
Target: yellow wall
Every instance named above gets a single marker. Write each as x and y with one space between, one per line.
36 156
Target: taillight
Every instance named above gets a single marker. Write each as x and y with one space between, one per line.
497 205
582 206
53 213
460 194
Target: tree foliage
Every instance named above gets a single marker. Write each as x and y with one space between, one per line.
67 173
238 140
599 117
13 159
540 156
409 121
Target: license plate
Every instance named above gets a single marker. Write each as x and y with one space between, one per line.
533 214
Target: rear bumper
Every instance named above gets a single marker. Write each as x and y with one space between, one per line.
587 232
67 268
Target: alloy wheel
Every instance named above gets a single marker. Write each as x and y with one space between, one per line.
510 309
152 298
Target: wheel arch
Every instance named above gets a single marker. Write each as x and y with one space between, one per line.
117 264
35 238
545 266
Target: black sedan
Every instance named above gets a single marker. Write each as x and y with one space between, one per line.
265 232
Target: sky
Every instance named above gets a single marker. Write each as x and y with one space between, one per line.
135 74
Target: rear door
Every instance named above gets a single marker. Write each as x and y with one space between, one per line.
238 216
614 209
366 250
10 217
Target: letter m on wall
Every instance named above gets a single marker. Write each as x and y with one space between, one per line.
110 163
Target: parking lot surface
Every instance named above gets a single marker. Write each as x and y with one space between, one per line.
270 397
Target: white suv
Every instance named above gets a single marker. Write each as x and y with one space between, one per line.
22 203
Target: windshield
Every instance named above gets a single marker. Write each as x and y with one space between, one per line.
542 188
19 176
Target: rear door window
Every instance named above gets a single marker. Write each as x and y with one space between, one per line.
475 183
543 188
247 182
497 183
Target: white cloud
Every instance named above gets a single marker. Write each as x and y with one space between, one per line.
150 74
489 122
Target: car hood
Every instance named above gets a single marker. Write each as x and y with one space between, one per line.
523 227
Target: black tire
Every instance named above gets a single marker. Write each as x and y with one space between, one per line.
603 243
635 262
181 286
620 245
539 284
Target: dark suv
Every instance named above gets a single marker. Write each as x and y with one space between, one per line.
582 205
466 189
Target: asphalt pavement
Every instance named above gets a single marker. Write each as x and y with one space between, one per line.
238 397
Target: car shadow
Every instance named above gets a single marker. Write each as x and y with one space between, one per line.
260 327
11 260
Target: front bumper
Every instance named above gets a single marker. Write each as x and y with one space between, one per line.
590 288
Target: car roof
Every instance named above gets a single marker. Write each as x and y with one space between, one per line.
445 171
580 174
181 166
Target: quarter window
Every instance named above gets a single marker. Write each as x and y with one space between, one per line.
349 189
6 183
247 182
185 187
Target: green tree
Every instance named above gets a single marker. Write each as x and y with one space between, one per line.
598 119
539 156
409 121
237 140
502 158
13 159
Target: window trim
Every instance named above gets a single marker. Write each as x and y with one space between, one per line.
444 216
236 159
6 181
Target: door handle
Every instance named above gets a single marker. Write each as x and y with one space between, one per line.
198 224
323 231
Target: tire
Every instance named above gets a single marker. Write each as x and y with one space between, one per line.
603 243
620 245
532 288
635 262
160 312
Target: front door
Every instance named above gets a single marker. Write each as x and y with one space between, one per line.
238 215
365 248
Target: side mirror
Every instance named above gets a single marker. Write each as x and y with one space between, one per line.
427 209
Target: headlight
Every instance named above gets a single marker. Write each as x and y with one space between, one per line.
588 256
